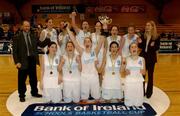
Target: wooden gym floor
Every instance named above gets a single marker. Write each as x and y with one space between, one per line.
166 77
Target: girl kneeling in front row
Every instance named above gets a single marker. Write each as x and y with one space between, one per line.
50 76
111 84
70 66
135 69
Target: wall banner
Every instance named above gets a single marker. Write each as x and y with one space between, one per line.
57 8
125 8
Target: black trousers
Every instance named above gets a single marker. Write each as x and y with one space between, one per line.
22 76
150 69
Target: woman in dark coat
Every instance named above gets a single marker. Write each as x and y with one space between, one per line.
149 44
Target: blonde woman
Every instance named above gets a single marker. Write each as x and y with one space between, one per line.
149 43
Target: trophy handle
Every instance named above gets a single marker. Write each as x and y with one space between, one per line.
100 19
109 21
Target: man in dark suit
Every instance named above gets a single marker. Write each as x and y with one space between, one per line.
26 57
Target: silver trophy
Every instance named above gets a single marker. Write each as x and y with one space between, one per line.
105 19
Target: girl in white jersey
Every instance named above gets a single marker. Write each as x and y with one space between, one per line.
135 69
80 33
70 65
111 85
128 39
89 74
50 77
63 37
96 36
114 37
50 33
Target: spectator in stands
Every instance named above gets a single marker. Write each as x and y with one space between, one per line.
8 34
39 29
16 29
149 43
163 35
1 32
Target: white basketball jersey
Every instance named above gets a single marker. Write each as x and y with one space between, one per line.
70 69
112 75
88 63
50 71
53 38
53 34
95 38
81 35
125 50
134 66
64 39
109 67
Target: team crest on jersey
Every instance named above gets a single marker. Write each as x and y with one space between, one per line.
140 62
92 54
56 61
118 62
134 40
54 32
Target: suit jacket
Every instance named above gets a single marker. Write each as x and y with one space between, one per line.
151 55
20 49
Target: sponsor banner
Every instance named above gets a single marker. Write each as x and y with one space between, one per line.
53 8
5 47
116 9
169 46
104 109
57 8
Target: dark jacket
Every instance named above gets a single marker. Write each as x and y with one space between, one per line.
20 49
151 55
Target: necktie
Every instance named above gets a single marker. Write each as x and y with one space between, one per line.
29 46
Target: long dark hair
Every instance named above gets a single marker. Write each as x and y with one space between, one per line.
49 45
113 42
